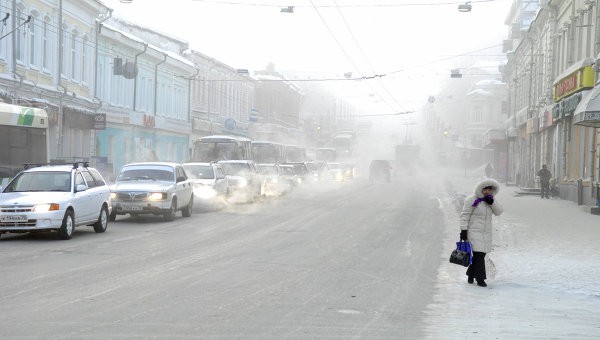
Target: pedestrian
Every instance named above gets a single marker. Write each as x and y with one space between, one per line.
545 176
488 170
476 226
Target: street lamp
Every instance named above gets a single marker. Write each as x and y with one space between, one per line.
466 7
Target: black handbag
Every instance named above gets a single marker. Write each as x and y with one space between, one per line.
462 254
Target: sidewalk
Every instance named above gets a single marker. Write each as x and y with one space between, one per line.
546 282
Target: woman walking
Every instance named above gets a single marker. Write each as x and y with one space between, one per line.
476 226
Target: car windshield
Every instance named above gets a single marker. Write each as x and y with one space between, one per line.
40 181
199 171
146 175
268 169
236 168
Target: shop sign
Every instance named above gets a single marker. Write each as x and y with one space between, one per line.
532 125
569 104
546 117
99 121
581 79
149 121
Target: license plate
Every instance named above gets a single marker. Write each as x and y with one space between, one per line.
130 207
13 218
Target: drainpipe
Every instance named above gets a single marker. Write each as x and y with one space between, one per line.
135 58
190 99
59 85
156 97
156 81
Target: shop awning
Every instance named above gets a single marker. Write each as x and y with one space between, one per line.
587 112
23 116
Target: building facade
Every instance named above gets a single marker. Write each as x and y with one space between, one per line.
552 76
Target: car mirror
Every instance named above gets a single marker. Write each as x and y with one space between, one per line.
180 179
81 187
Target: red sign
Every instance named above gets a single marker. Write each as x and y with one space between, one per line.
148 121
566 85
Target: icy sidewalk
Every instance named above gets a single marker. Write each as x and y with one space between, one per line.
547 279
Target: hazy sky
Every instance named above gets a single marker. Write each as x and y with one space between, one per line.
401 42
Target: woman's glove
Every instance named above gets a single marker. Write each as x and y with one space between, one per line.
463 235
489 200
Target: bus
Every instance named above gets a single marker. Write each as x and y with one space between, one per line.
268 152
343 142
326 154
221 147
294 153
23 139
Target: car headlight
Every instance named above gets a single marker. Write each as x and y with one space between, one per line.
113 195
157 196
46 207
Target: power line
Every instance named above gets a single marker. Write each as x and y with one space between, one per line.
414 4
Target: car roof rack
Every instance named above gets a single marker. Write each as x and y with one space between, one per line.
74 164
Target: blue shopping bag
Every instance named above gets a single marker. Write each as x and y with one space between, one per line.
465 246
462 255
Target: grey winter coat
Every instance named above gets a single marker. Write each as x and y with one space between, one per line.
478 220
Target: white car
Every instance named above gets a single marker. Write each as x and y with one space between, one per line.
156 188
210 184
55 198
243 179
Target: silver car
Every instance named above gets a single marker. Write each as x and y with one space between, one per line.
55 198
156 188
210 184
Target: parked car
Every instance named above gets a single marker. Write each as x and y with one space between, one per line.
55 198
156 188
243 179
210 184
380 170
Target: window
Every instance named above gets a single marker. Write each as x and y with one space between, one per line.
79 180
84 60
75 61
20 36
64 52
46 44
33 40
89 179
97 177
477 114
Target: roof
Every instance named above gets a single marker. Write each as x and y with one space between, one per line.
171 164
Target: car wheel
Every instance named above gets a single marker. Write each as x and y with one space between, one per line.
68 225
113 215
187 211
170 215
102 223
